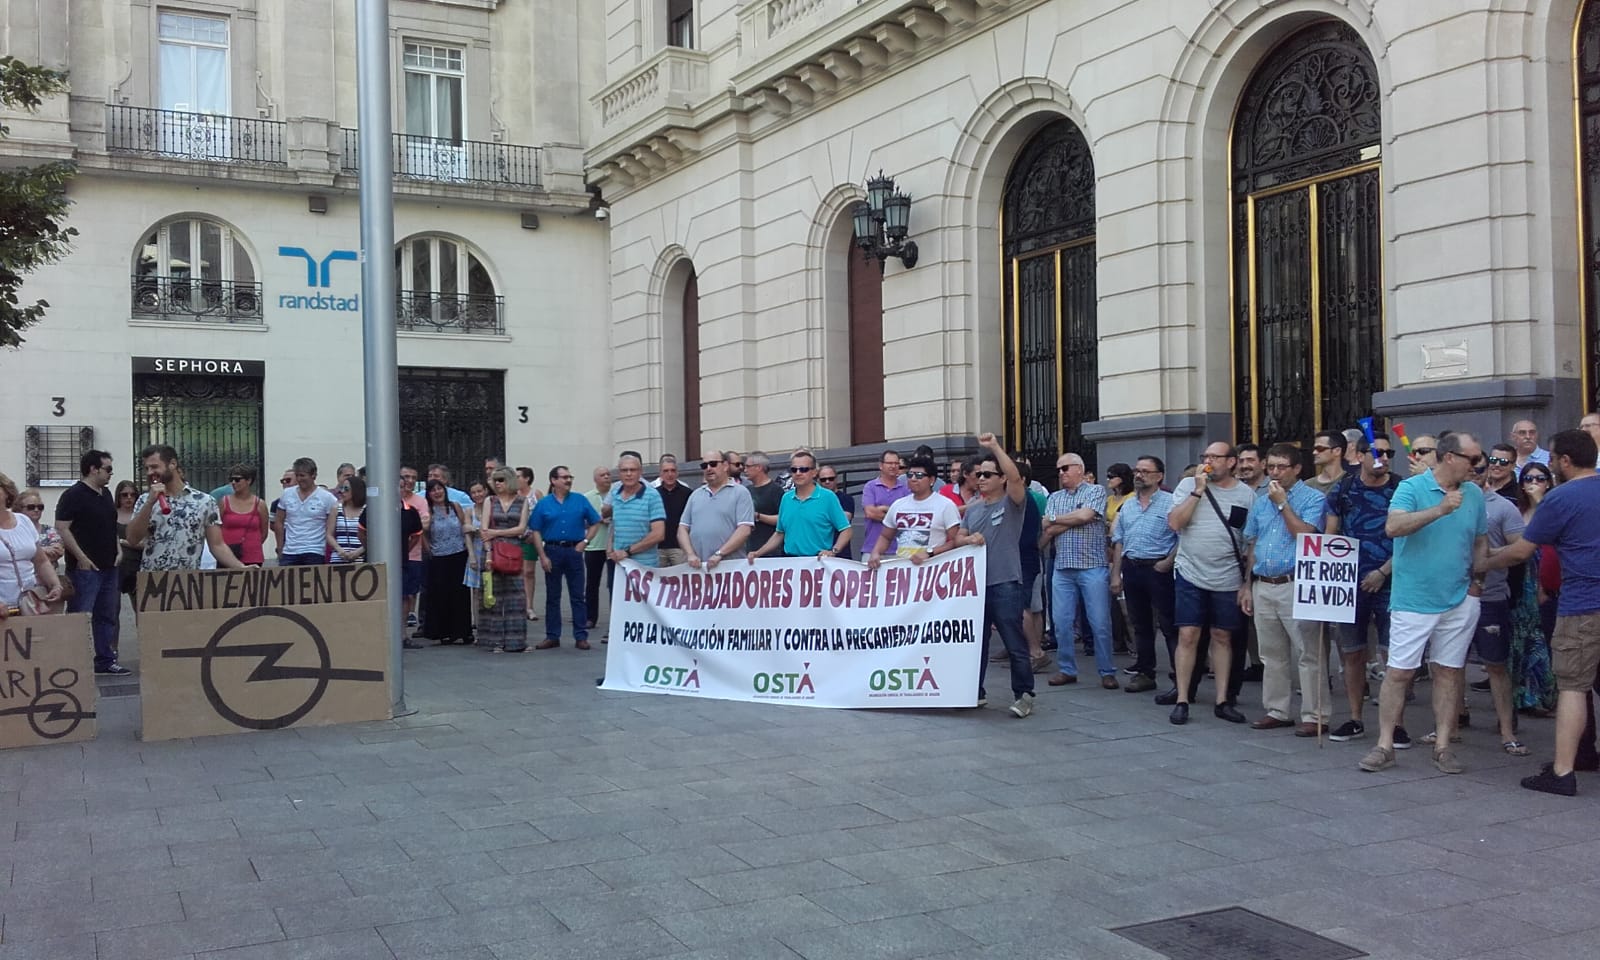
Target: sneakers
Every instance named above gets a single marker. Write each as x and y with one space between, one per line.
1139 684
1402 740
411 620
115 670
1377 759
982 702
1546 781
1349 730
1022 706
1130 672
1445 761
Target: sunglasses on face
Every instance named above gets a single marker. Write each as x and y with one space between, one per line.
235 479
1319 448
1536 478
917 474
287 481
1378 453
1422 451
1498 462
708 464
826 479
985 474
794 469
33 508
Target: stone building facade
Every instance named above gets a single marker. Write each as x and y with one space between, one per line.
212 296
1141 223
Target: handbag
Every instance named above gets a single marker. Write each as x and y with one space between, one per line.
33 602
505 556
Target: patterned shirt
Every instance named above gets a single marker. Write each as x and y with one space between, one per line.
1082 547
1143 530
176 537
631 518
1275 545
1363 512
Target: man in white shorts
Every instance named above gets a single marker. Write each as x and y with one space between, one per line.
1440 528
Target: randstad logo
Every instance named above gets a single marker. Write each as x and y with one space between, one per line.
318 277
784 686
678 678
904 682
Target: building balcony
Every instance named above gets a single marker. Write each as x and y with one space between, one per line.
419 311
441 160
201 137
196 301
675 80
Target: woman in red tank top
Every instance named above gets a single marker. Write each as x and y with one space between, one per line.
244 518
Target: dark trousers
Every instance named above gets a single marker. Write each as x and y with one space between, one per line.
95 593
566 566
1150 603
594 564
301 559
1003 604
448 615
1239 643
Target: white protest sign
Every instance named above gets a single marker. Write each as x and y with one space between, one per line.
802 631
1326 577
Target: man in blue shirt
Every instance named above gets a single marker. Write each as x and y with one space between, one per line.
810 521
1440 529
637 514
1142 552
1286 509
561 525
1359 508
441 473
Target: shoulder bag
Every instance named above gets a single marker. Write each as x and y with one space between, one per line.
33 601
1238 555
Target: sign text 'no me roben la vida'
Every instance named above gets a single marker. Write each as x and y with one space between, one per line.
229 651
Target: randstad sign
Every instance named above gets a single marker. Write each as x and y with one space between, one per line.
318 278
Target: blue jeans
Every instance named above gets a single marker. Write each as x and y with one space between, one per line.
95 593
566 565
301 559
1002 610
1094 586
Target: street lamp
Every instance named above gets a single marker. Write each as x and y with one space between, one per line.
882 221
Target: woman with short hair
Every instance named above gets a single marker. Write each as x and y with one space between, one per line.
23 563
503 628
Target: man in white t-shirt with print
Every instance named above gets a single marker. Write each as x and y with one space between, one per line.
301 520
921 525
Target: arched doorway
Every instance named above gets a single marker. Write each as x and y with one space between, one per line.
865 284
1047 232
1586 69
680 361
1308 343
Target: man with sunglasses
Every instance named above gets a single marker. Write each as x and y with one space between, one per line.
86 518
1327 455
810 521
718 518
828 479
1440 529
1501 476
920 525
1424 453
1075 524
994 518
1359 508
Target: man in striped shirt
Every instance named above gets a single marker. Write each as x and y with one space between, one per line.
1142 552
1075 518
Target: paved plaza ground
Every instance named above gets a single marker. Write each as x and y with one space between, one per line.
522 813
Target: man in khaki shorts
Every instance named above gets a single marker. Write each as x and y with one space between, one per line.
1568 519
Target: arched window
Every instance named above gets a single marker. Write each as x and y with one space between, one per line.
1051 338
193 268
865 279
1307 259
442 285
1587 66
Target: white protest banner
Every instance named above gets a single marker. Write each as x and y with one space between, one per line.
1326 578
802 631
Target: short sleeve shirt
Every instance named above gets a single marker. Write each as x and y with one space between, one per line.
94 524
565 520
1433 566
1363 511
414 551
1142 530
1205 547
919 524
1266 528
305 520
811 525
1082 547
1505 524
1568 519
766 499
876 493
631 518
602 537
712 516
176 538
1000 523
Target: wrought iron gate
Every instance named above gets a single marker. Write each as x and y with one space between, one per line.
1052 344
213 423
453 417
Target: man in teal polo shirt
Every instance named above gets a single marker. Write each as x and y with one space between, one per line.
1440 529
810 521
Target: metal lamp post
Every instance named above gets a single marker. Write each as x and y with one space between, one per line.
881 222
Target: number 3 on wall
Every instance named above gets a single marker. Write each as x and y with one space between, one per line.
521 411
61 406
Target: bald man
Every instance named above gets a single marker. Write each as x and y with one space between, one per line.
1525 437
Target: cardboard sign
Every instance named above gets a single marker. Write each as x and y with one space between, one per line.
802 632
1326 577
227 651
47 691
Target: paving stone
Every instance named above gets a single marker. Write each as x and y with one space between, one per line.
566 853
504 890
766 882
669 865
666 898
274 865
189 936
896 938
922 861
807 846
357 913
635 938
347 945
418 938
220 899
77 947
709 927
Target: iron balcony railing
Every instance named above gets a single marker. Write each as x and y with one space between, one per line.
205 301
419 311
452 161
206 137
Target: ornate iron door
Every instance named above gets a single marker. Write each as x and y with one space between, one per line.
1051 341
453 417
213 423
1308 341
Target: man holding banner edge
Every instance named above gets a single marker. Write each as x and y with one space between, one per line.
994 519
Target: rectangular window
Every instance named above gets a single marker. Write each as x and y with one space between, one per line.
680 23
434 80
52 454
193 63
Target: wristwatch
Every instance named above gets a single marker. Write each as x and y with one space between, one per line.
717 555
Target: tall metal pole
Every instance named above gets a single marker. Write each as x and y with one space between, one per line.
380 370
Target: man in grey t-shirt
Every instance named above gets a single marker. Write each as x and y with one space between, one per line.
1493 633
994 518
717 519
1209 511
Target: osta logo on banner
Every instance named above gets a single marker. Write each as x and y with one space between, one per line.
676 678
784 686
904 681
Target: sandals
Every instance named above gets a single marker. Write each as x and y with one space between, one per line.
1515 748
1433 737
